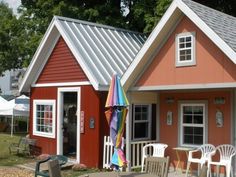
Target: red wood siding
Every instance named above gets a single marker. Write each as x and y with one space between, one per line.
91 140
61 66
93 105
47 145
212 65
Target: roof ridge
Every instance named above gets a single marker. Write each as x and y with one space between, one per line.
95 24
210 8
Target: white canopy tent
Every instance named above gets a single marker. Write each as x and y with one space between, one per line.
16 107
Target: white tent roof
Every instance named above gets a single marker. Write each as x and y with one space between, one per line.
2 100
13 108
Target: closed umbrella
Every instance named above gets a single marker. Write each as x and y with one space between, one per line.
116 116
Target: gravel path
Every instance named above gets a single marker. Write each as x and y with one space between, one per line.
15 172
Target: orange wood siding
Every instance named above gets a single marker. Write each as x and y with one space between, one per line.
169 134
212 66
47 145
61 66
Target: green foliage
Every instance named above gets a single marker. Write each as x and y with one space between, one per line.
10 45
19 38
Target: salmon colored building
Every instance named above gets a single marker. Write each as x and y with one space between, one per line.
181 83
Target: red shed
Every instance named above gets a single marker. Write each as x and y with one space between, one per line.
68 80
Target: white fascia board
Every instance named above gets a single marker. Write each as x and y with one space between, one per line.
24 87
77 55
185 87
62 84
148 43
207 30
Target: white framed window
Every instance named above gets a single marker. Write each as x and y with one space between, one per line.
44 118
185 49
142 121
192 124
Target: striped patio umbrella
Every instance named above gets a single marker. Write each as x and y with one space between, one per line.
116 116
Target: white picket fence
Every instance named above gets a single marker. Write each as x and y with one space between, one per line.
136 152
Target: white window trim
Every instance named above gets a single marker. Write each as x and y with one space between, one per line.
44 102
191 62
139 121
204 125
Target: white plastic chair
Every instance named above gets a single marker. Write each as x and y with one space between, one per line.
206 152
226 152
158 150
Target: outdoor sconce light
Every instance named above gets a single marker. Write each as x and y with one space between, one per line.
219 100
219 118
170 100
169 118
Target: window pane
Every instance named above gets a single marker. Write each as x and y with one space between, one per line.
187 109
198 130
198 140
198 119
188 57
189 44
141 130
198 109
187 119
181 45
188 130
137 109
181 40
188 39
188 139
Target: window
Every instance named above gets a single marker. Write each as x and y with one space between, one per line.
185 49
142 122
193 126
44 118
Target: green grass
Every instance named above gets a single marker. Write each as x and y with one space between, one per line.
7 159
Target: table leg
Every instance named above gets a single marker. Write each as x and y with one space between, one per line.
178 161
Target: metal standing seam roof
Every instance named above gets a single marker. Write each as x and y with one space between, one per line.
224 25
105 50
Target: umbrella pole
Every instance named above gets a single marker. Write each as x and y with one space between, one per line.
12 117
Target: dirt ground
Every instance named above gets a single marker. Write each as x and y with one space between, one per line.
15 172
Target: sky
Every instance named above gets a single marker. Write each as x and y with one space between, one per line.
13 4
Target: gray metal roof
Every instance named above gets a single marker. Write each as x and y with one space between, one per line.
105 50
224 25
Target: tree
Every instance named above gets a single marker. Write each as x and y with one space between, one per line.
11 54
20 37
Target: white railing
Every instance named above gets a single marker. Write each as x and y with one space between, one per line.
107 152
136 152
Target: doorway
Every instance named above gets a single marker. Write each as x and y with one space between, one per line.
68 122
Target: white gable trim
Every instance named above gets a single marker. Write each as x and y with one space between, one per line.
62 84
28 74
129 76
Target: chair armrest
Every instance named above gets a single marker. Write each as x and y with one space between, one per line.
37 167
190 154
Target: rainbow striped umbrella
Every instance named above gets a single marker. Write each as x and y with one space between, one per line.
116 116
